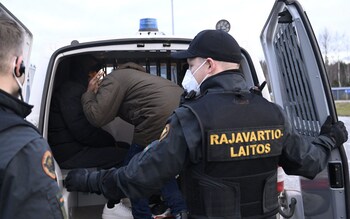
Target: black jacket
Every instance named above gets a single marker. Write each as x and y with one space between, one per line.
180 148
69 130
28 187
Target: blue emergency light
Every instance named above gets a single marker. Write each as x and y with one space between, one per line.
148 24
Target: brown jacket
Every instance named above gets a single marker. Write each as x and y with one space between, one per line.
142 99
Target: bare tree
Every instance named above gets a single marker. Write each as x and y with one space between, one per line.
338 47
325 41
334 48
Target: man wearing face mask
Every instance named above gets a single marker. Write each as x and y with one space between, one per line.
190 84
225 142
28 187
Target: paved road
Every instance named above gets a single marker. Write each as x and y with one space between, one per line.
292 182
346 120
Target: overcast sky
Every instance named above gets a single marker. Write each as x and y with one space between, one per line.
53 22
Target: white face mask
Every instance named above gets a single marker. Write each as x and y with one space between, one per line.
189 82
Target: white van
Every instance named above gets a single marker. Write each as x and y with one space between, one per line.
297 81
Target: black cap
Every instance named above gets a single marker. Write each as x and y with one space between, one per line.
216 44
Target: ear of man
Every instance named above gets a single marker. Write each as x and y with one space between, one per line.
19 67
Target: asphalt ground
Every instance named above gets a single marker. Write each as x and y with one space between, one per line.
346 120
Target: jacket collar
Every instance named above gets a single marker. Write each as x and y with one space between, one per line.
10 103
231 80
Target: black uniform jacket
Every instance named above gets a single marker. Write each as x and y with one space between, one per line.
28 187
180 146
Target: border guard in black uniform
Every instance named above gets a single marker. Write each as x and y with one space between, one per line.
224 141
28 186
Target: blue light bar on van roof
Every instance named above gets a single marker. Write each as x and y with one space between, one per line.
148 24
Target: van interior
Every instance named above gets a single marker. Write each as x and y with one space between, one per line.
84 205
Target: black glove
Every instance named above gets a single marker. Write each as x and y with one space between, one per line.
336 131
82 181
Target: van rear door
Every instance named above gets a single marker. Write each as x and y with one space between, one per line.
300 85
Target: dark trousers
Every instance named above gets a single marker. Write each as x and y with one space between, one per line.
170 193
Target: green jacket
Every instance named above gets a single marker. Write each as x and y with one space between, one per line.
142 99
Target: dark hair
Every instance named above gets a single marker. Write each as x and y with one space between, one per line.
81 66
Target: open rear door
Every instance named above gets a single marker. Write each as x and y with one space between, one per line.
299 84
28 41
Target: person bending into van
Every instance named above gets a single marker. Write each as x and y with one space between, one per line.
145 101
225 141
28 186
74 141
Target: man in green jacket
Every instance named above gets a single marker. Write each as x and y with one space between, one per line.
143 100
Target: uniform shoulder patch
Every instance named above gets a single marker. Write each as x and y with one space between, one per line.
165 132
47 163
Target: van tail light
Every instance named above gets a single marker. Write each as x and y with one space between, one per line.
280 179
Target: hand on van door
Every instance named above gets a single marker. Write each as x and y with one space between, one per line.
336 131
